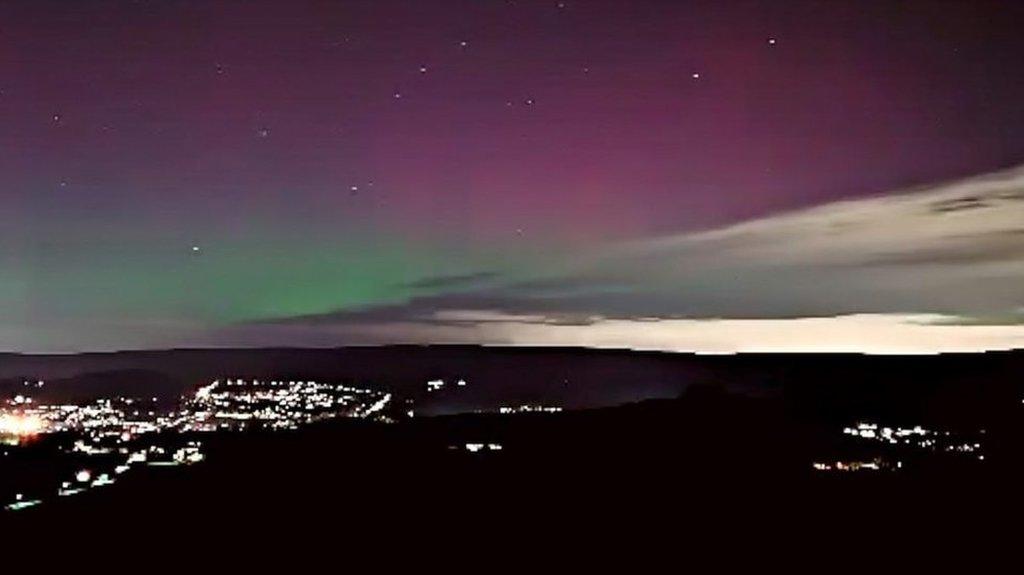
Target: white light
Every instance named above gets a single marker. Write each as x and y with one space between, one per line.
21 424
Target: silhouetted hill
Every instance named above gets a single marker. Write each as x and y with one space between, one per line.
89 386
944 388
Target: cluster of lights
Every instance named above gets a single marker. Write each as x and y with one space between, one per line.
239 404
134 432
876 464
528 409
478 447
439 384
916 436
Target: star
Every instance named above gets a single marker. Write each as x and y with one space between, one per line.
529 101
695 75
195 249
398 95
423 69
771 41
263 132
56 117
463 44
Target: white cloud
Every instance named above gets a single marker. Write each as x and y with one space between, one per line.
956 249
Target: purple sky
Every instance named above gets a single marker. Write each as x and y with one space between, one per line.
403 132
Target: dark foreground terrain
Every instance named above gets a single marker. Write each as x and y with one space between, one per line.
865 453
705 463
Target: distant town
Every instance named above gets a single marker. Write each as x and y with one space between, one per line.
108 438
99 442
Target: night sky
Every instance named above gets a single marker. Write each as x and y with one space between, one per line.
622 173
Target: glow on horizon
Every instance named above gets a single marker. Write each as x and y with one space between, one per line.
875 334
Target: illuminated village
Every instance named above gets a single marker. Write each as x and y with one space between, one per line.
103 440
910 439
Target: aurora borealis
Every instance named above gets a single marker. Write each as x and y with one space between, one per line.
324 173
